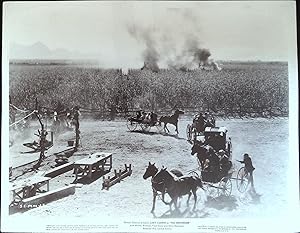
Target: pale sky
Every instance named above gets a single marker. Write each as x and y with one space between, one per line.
230 30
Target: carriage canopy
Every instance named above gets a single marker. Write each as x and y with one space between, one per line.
216 129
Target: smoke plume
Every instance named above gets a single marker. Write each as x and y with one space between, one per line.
175 45
150 54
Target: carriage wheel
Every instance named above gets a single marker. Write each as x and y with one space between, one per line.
160 127
145 127
189 132
225 187
242 180
131 125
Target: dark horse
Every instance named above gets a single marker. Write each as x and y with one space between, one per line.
203 152
178 186
173 119
151 171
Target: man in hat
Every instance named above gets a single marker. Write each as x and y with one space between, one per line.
225 164
249 168
198 122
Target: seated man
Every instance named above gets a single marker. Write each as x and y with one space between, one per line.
225 164
138 117
209 120
153 118
138 114
198 122
214 164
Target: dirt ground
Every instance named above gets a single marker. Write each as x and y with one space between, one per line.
266 140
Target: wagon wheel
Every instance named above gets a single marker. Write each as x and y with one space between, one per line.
159 127
225 187
242 180
145 127
131 125
189 132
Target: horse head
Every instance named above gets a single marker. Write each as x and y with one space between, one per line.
150 171
161 175
178 112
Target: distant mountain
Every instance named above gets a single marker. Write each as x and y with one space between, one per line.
39 50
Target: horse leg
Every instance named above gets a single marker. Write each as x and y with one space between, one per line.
166 128
188 200
153 203
175 203
163 199
195 197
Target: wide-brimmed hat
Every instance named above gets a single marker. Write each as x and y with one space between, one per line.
221 151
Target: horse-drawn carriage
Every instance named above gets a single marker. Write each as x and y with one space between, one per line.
214 155
220 183
197 128
145 121
217 138
148 120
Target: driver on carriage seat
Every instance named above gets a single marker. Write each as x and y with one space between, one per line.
199 122
225 164
138 114
211 166
153 118
214 162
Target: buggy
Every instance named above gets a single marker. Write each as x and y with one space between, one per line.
217 138
198 126
219 181
145 121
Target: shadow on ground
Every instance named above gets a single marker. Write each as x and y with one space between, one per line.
95 176
186 213
158 133
222 202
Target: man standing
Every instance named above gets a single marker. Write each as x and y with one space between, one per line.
249 168
76 114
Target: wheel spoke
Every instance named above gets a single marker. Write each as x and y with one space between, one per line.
225 187
242 180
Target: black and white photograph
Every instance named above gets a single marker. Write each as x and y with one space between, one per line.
151 116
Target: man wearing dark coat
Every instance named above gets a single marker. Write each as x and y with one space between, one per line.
249 167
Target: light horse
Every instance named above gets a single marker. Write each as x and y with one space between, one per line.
151 171
178 186
203 152
173 119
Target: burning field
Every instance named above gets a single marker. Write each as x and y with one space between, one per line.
266 140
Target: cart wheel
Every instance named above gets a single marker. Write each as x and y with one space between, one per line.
189 132
160 127
131 125
145 127
242 180
225 187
